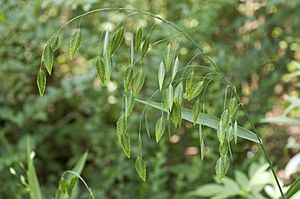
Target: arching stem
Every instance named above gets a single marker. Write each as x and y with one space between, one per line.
184 33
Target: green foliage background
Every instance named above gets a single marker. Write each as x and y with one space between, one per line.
251 41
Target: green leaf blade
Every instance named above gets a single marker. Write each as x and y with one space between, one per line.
33 183
206 120
293 189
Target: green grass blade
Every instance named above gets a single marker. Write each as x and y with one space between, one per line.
281 121
80 163
206 120
294 188
78 169
33 183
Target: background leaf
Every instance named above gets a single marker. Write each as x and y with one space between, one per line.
33 183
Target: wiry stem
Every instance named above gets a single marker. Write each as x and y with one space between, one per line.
81 179
184 33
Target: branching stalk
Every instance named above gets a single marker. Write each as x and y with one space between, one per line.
217 70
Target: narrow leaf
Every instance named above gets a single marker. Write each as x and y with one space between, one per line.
140 167
33 183
75 43
159 128
78 167
161 75
206 120
293 189
41 82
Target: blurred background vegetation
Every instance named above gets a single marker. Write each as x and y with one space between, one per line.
256 44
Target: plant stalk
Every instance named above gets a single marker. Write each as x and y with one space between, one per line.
184 33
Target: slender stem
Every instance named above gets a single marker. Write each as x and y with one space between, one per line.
262 146
184 33
81 179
